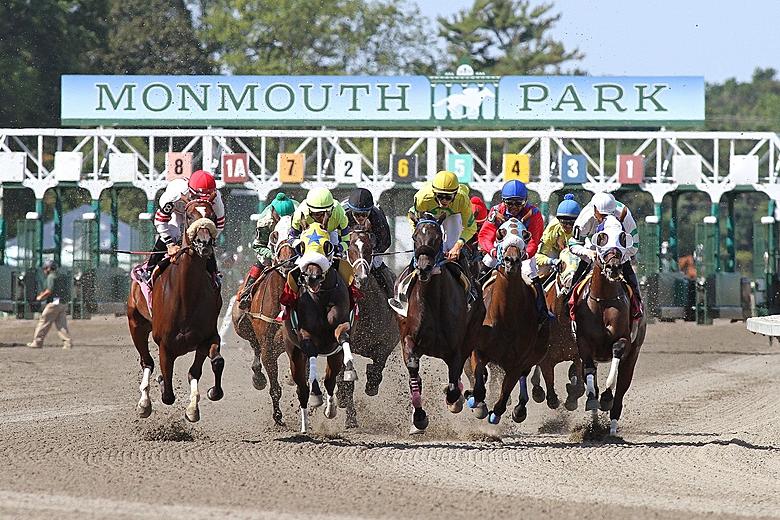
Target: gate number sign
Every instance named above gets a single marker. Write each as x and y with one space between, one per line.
291 167
178 165
462 165
574 169
235 167
517 166
348 167
404 168
631 169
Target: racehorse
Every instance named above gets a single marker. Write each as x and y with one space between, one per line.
185 307
258 325
602 319
376 332
438 323
510 336
562 346
318 326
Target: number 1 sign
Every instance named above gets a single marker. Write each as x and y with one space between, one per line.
348 168
631 169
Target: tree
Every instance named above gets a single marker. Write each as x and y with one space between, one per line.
323 37
505 37
151 37
753 106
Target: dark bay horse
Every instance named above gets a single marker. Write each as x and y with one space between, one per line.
510 336
438 323
258 325
562 345
183 318
603 329
318 326
375 334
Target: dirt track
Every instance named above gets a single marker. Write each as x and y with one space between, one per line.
700 438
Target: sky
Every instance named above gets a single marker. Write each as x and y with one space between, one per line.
717 39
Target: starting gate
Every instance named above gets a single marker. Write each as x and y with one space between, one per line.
25 279
765 266
706 258
86 258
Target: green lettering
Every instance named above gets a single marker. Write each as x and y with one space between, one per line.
166 92
103 88
306 89
383 97
642 97
249 90
186 89
575 99
290 94
354 88
526 88
603 99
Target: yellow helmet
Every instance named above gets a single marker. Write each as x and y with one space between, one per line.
445 182
319 199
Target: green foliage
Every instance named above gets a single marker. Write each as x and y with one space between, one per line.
753 106
506 37
324 37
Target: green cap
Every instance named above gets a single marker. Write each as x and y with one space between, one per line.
283 205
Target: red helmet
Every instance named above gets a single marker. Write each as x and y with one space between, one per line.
479 209
202 184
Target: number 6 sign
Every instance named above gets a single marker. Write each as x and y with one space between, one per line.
291 167
631 169
178 165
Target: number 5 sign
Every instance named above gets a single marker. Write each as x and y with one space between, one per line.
178 165
462 165
235 167
517 166
631 169
291 167
348 168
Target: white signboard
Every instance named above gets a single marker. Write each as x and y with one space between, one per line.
743 169
686 168
122 167
348 168
12 166
67 166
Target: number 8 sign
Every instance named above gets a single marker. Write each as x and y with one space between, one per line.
178 165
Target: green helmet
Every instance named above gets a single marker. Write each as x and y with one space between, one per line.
319 199
283 205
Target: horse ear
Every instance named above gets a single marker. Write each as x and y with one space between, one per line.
273 237
413 217
275 216
328 248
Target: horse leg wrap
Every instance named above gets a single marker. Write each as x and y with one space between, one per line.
413 363
312 369
415 387
590 380
145 379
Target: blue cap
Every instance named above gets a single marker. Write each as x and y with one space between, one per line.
568 208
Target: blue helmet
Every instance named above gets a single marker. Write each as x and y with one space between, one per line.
568 208
514 190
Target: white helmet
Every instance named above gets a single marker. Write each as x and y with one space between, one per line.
175 189
604 203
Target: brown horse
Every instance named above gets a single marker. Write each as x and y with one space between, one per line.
318 326
258 325
375 335
562 345
184 313
510 336
602 319
438 323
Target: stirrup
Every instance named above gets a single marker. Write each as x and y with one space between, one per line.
399 305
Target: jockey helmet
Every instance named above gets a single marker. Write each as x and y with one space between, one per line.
445 182
283 205
514 190
360 201
479 209
319 199
568 209
202 184
175 189
604 203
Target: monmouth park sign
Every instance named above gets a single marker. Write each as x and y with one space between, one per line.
464 99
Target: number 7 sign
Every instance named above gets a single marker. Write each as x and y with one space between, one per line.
631 169
290 166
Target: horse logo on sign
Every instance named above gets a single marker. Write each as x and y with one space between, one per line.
470 99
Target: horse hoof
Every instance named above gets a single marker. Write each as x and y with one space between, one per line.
480 410
605 403
457 406
553 402
419 422
350 375
330 411
144 409
259 381
351 422
215 394
591 404
315 401
519 413
613 427
538 394
570 404
493 418
372 389
192 415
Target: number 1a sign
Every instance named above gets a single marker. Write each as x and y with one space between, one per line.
631 169
235 167
178 165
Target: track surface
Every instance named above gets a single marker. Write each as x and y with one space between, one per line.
700 437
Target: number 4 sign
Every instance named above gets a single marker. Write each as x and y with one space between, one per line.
178 165
517 166
631 169
291 167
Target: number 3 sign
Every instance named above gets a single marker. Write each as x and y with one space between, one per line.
574 169
178 165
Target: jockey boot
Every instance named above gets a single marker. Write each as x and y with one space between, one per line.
542 313
245 298
582 268
636 301
384 276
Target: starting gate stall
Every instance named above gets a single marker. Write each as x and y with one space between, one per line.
25 278
85 262
705 256
765 267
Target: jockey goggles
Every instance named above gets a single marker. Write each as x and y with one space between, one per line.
445 196
515 203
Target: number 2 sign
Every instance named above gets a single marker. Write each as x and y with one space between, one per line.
348 168
631 169
291 167
178 165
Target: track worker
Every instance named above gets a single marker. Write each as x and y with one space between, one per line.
54 311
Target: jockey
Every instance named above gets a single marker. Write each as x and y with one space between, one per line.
319 207
169 217
360 209
480 211
280 207
514 204
557 234
444 195
588 223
